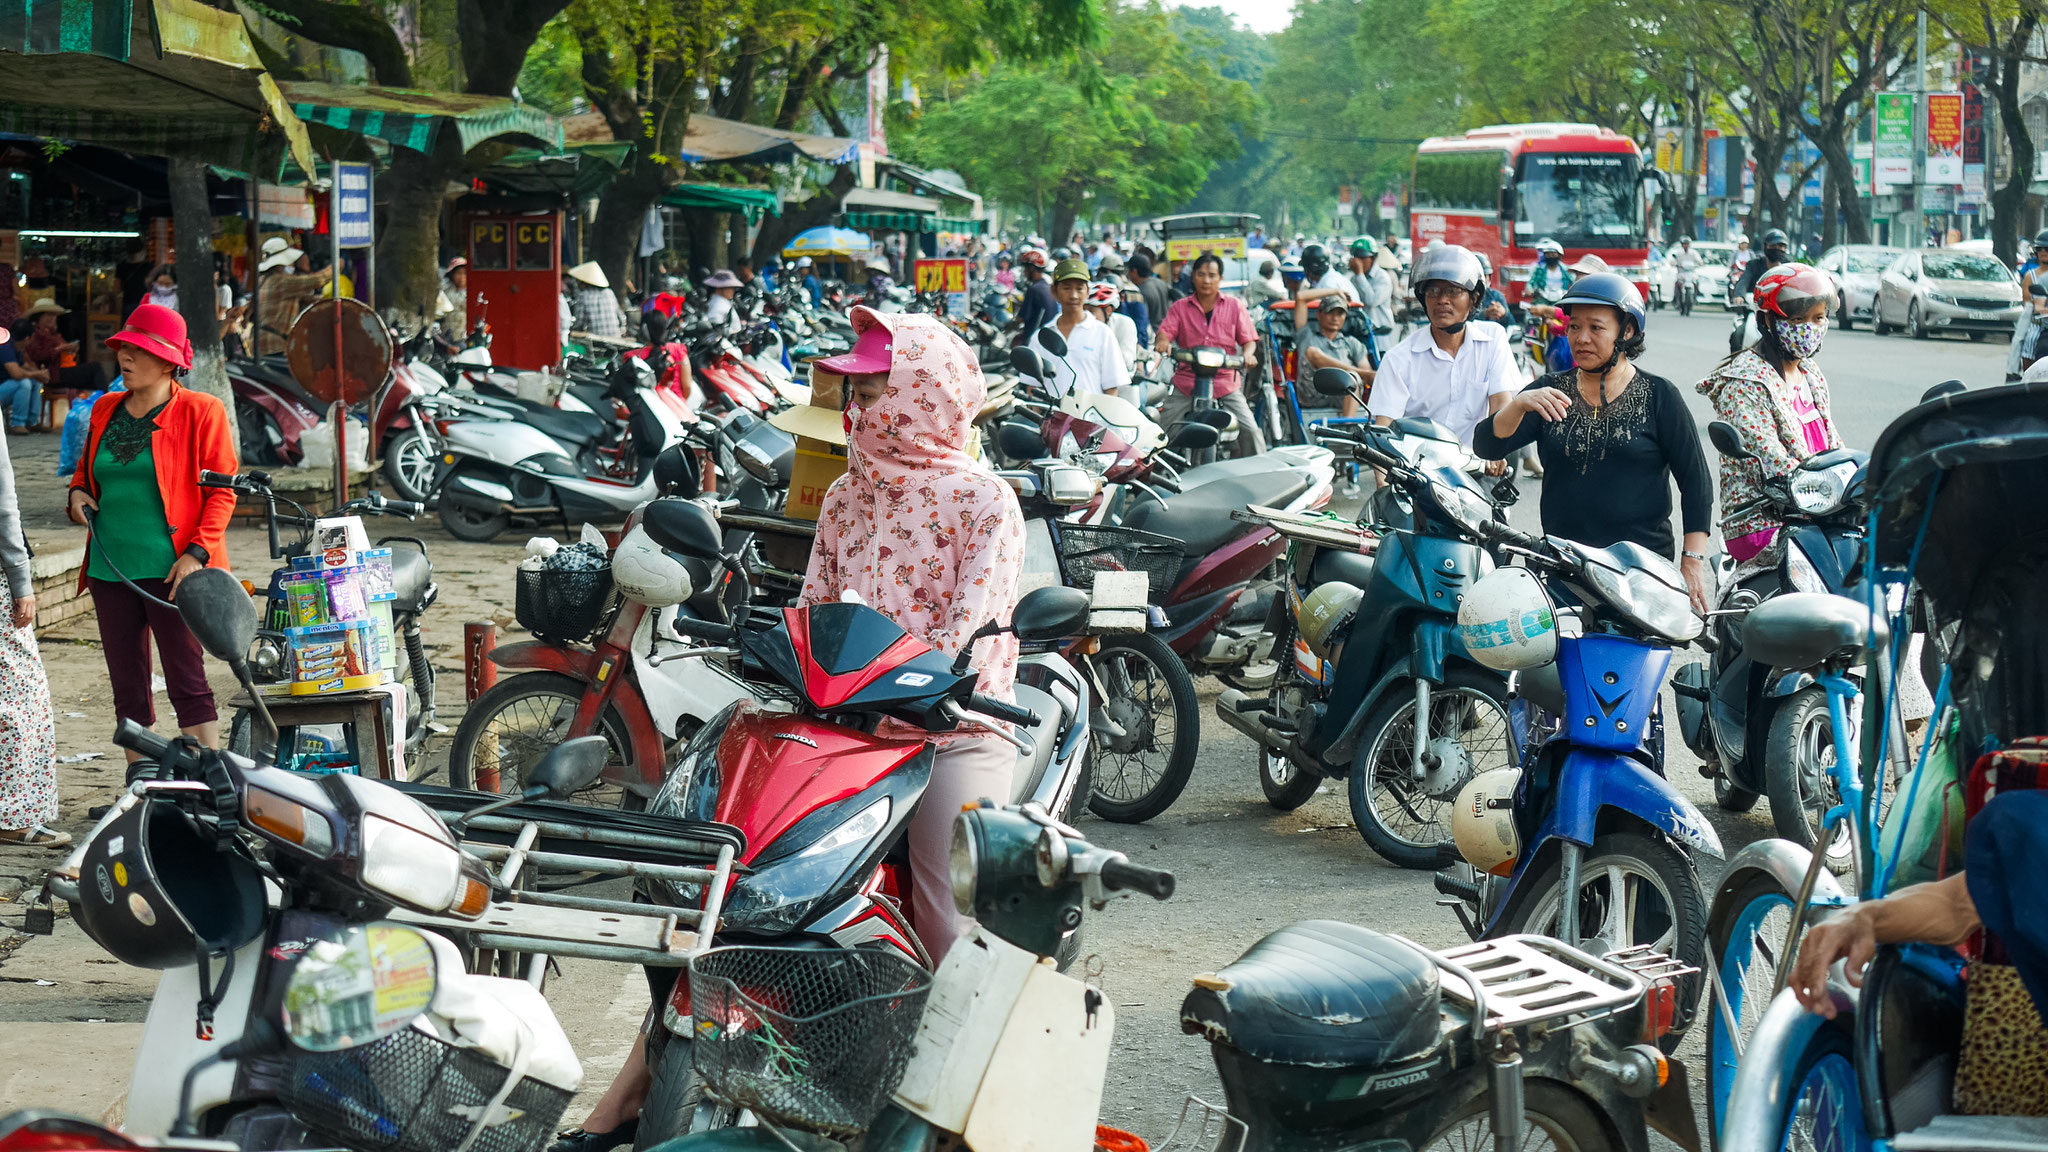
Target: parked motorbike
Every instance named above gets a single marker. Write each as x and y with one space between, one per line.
272 412
1374 645
1599 852
1760 730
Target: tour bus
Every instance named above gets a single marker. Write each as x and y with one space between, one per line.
1499 189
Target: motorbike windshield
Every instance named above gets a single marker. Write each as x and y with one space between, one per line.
1583 200
1643 588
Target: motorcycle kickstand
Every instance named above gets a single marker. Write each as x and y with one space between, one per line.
1504 1082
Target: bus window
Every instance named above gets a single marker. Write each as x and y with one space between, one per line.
1587 200
1458 181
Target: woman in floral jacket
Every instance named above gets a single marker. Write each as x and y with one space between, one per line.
1777 399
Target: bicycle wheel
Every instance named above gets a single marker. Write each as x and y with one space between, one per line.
1149 695
508 729
1409 822
1554 1119
1745 936
1826 1110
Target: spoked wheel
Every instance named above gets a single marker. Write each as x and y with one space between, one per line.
1633 889
1799 754
509 728
1746 937
1286 786
1555 1119
1826 1114
1140 770
1408 822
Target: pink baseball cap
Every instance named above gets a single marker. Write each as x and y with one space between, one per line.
870 354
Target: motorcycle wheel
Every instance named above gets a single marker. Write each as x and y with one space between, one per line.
1825 1113
1149 692
409 465
675 1096
466 522
1556 1118
1731 797
1633 889
1798 751
1286 786
508 729
1745 935
1407 826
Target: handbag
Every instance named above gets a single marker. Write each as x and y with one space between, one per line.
2003 1067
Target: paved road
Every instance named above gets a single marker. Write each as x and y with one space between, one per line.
1244 870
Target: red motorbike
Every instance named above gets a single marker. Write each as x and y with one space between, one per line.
822 800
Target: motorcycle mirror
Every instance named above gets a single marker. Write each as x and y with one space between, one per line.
1945 388
219 613
1026 361
1050 339
376 979
1020 441
2040 290
569 767
1051 614
1333 382
684 526
1726 441
1194 435
1215 418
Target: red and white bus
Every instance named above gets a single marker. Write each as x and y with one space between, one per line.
1498 190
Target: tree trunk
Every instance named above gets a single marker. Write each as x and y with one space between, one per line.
192 222
1834 151
2009 200
777 231
1696 150
1063 212
622 214
409 241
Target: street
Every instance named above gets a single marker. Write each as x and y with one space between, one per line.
69 1016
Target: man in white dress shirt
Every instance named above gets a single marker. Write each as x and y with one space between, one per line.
1458 370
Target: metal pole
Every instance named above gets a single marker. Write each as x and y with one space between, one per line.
339 412
370 261
1914 213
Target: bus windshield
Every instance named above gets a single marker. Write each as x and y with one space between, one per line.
1587 200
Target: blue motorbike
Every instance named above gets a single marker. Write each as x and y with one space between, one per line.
1605 840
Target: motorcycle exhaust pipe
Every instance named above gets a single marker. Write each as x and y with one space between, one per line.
1242 713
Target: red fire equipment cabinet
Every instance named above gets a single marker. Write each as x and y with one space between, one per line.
515 281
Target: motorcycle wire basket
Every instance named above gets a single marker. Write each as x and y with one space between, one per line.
560 605
1086 549
815 1038
413 1092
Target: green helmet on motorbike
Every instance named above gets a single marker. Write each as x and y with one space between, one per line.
1364 248
1326 616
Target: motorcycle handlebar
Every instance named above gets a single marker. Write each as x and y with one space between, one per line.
1124 875
1496 531
1001 710
705 630
140 740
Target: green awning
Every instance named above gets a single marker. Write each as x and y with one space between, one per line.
410 118
909 222
580 170
161 77
751 202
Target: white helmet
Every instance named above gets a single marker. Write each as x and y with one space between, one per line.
646 573
1483 821
1117 414
1506 621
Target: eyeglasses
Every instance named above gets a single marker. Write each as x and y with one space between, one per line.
1442 291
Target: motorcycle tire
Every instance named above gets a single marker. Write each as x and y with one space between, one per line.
1366 784
1286 786
1797 749
1151 684
533 711
1822 1096
469 523
1745 931
409 464
1733 797
1533 907
674 1097
1557 1112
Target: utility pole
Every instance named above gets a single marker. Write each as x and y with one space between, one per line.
1916 216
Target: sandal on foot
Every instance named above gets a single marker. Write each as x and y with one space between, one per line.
35 836
577 1140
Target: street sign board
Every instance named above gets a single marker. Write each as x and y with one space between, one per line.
1944 138
948 277
354 218
1894 140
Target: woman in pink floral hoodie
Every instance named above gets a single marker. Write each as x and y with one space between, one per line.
925 534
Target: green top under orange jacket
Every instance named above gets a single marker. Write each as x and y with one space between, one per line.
192 434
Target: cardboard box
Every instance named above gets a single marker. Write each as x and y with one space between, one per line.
817 465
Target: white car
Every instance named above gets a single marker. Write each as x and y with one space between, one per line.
1711 279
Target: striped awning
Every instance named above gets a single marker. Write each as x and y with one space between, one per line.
411 118
749 202
161 77
910 222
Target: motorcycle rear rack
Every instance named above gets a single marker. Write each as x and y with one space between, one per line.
1525 981
1318 528
1214 1130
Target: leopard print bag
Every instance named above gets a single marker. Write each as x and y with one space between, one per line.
2003 1069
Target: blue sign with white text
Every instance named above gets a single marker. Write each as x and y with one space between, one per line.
354 217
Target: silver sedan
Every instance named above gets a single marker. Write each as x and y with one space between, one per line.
1857 268
1943 290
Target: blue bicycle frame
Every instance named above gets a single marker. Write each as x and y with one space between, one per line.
1275 350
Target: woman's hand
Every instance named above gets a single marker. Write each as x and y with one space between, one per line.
1548 403
80 501
187 564
1698 581
24 611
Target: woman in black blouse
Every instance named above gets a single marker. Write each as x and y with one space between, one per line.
1612 437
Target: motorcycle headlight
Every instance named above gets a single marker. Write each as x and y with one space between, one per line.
1647 601
1820 491
1209 357
781 894
1800 572
410 867
1069 446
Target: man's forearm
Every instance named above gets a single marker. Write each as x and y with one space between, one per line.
1938 913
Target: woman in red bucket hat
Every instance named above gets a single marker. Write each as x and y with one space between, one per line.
143 455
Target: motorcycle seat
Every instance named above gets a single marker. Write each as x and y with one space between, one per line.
1331 565
1807 629
1321 992
575 428
1235 468
1201 519
1043 737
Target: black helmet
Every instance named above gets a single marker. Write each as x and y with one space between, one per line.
1776 238
1314 262
157 893
2041 238
1613 291
675 471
